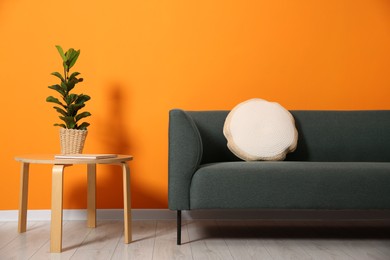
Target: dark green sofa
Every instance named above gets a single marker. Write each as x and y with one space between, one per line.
342 162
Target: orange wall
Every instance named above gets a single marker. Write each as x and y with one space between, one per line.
141 58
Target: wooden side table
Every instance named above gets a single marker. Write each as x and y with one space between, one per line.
57 192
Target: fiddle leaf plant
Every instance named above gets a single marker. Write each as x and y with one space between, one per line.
70 104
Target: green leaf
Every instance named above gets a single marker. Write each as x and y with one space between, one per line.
71 53
82 115
65 87
61 52
54 100
74 108
62 125
69 121
70 99
74 75
83 126
58 75
58 88
72 82
82 99
60 110
68 53
73 58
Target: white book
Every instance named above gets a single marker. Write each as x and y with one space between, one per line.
85 156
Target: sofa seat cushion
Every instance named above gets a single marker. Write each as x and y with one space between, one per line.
291 185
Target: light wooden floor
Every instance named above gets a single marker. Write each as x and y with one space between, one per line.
202 239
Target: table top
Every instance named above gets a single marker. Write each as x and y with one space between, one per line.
49 159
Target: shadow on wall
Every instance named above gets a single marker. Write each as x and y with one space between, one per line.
112 131
114 137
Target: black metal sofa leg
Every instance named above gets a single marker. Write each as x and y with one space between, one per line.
179 227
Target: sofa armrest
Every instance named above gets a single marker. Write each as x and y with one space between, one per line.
184 157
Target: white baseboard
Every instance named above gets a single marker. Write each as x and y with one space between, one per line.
101 214
166 214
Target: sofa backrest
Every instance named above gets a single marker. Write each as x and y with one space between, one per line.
322 136
343 136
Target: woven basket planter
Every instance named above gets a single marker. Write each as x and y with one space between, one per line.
72 140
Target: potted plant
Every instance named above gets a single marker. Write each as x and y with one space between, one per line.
72 132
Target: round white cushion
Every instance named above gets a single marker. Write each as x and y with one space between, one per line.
260 130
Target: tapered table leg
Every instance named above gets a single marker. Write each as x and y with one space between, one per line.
23 196
56 209
126 202
91 207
